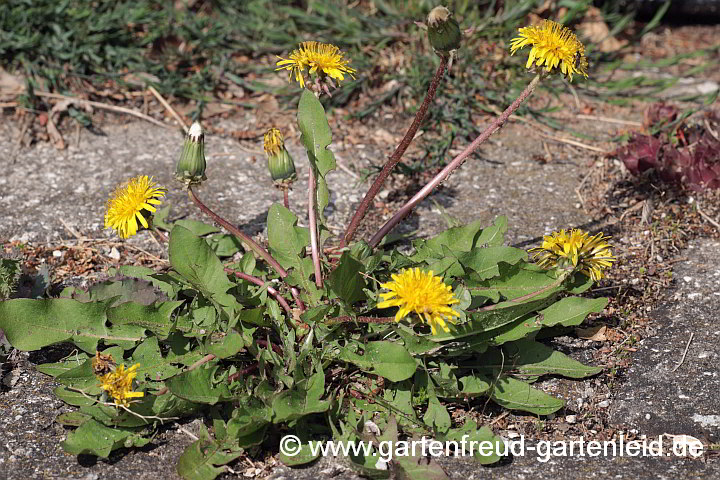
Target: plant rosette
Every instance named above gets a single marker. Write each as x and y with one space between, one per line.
305 337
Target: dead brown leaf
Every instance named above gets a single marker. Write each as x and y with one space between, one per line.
10 85
594 28
596 334
55 136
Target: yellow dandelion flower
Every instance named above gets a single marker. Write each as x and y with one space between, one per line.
318 58
118 384
421 292
589 254
130 203
273 142
553 45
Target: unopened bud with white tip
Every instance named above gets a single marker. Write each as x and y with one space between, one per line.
190 168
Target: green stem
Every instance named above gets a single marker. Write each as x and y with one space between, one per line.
527 296
312 219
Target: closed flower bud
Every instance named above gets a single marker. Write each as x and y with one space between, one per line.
443 31
280 163
190 168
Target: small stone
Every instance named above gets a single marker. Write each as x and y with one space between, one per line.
571 419
371 427
57 253
604 404
114 254
647 416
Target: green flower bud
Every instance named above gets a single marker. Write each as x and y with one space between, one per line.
190 168
443 31
280 163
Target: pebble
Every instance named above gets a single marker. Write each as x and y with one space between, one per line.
114 254
604 404
571 418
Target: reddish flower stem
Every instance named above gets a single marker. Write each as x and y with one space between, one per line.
242 372
275 294
349 319
236 231
454 164
296 296
396 156
266 344
207 358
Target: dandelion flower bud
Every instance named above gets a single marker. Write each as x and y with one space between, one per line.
280 163
190 168
443 31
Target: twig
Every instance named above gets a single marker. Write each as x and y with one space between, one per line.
236 231
573 142
706 216
26 124
578 105
635 207
579 187
341 165
108 404
312 217
169 108
500 417
72 231
276 295
141 250
396 156
454 164
548 155
609 120
188 433
104 106
710 129
687 347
